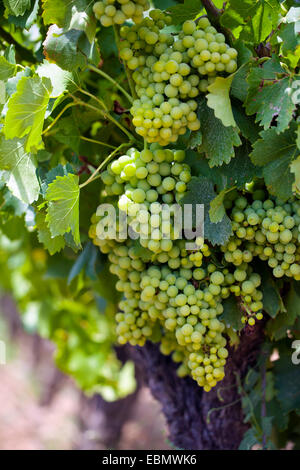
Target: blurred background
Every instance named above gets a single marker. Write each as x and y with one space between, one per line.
41 408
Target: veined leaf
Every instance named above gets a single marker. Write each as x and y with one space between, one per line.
72 14
7 70
186 11
61 80
26 111
52 244
21 169
218 99
218 141
63 206
17 7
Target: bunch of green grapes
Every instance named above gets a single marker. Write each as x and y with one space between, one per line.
111 12
269 229
169 72
148 185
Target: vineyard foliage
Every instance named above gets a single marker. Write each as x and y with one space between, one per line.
142 105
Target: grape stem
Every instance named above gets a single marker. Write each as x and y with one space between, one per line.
117 85
102 165
93 141
69 105
212 11
106 115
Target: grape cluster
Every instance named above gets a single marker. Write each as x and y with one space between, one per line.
170 294
111 12
169 71
269 229
148 183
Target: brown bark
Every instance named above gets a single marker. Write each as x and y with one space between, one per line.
186 406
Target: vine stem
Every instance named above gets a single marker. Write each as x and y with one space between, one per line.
127 71
69 105
212 11
94 98
102 164
105 75
106 115
99 142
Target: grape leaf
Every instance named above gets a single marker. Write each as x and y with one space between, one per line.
276 153
21 169
218 99
26 111
61 80
201 191
87 260
74 14
63 206
218 141
17 7
7 70
270 96
52 244
240 170
295 168
231 315
69 50
26 20
251 20
246 124
272 146
275 173
289 36
217 209
186 11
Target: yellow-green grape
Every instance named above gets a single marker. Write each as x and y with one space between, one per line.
111 12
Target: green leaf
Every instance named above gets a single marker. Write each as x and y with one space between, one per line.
231 315
276 153
272 146
218 141
218 99
201 191
86 260
275 173
270 96
63 206
52 244
186 11
288 34
249 440
246 124
69 50
295 168
73 14
240 170
217 209
29 17
285 320
26 111
17 7
21 169
7 70
61 80
251 20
